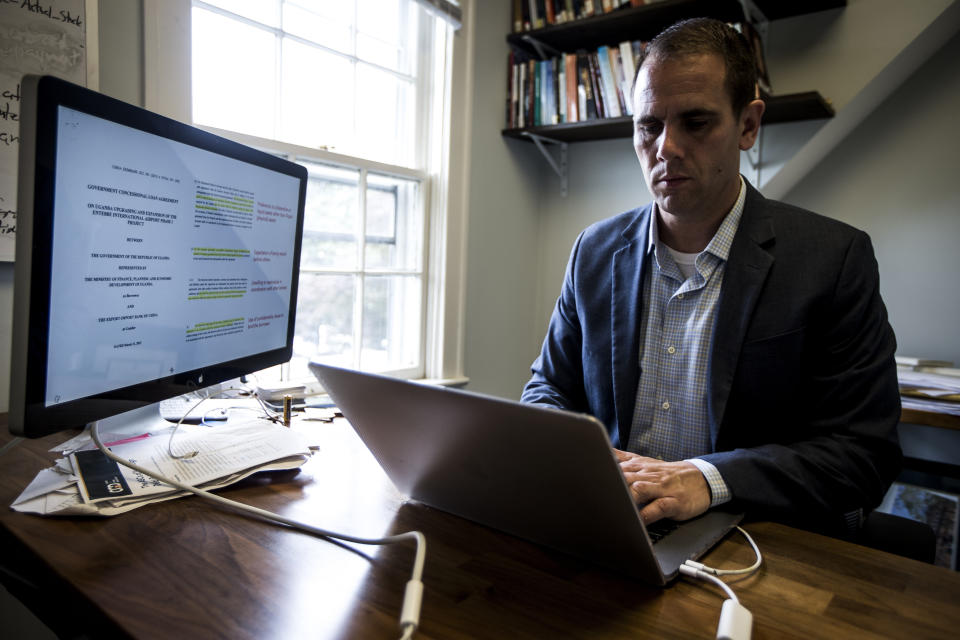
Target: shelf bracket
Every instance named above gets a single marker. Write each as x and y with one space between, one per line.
561 168
543 50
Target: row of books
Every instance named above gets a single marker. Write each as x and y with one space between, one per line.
537 14
572 87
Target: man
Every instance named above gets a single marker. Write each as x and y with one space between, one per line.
736 348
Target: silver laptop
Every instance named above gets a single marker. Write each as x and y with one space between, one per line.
541 474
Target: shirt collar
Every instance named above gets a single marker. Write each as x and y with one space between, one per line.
719 245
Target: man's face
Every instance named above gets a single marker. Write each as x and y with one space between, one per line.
687 137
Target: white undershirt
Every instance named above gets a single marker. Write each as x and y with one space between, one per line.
686 262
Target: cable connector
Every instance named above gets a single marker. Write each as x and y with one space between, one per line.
412 598
736 622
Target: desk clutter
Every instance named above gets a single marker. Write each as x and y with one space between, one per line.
929 385
85 482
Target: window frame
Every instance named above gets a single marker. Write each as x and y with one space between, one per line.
167 90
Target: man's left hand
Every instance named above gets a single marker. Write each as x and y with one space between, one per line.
674 490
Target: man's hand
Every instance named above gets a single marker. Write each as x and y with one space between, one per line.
674 490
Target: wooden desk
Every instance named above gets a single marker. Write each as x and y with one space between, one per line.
190 569
930 418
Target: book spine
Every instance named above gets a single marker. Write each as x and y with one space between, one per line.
570 61
589 104
618 80
555 97
535 20
561 90
531 93
611 101
595 84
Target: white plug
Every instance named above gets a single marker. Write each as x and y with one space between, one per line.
736 622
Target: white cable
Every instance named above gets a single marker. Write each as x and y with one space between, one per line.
731 572
736 621
186 414
410 616
702 575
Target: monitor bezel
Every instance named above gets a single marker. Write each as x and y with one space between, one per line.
41 97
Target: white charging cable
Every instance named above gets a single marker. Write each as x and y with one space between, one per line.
413 595
736 621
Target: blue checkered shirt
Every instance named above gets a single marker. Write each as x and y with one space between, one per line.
670 420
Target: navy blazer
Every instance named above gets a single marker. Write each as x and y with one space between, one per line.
803 399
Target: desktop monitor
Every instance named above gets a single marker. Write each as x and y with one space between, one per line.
152 259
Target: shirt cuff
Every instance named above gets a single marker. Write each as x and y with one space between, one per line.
719 491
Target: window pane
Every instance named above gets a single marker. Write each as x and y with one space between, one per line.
324 329
391 323
317 98
386 33
394 223
331 220
385 106
233 74
264 11
326 23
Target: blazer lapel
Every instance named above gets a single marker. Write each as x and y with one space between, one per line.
747 267
625 320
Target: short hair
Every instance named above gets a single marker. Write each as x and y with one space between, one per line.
700 36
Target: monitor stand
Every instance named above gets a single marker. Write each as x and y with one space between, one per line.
146 419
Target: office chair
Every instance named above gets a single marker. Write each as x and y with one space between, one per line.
898 535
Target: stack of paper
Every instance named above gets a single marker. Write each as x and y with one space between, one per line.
929 391
86 482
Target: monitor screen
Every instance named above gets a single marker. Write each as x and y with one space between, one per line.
153 258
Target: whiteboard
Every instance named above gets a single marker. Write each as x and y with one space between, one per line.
52 37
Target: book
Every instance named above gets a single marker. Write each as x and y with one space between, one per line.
627 62
588 105
611 100
536 21
537 93
756 44
596 84
555 98
623 93
570 62
561 90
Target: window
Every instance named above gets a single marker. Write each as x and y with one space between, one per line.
358 92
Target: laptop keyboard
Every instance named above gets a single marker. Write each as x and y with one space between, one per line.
661 528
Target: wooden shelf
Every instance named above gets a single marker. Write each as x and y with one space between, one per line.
794 107
625 23
777 9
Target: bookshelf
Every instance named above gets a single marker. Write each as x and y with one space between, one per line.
642 23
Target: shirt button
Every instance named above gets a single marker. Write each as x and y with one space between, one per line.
671 350
665 405
679 296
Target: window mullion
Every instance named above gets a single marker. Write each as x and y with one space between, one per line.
362 263
278 84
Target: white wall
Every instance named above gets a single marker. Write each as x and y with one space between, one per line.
502 241
896 177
